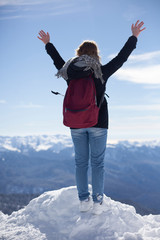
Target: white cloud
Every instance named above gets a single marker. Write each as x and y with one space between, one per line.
143 75
146 107
148 56
22 2
2 101
11 17
145 56
30 105
36 8
141 68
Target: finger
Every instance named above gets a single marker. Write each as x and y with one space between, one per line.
136 23
43 32
142 29
140 24
40 35
132 26
39 38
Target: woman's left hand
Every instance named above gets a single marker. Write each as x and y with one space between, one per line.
136 28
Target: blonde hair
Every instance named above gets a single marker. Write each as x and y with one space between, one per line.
89 48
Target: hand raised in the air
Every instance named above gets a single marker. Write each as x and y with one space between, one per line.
136 28
44 37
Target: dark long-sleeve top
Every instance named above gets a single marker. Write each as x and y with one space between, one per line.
107 70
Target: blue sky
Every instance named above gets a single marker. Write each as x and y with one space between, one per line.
27 73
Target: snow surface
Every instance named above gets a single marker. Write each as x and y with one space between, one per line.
55 216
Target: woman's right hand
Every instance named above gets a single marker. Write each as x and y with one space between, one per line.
45 38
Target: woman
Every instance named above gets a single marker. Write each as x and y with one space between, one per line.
92 140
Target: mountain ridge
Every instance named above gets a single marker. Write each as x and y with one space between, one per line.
45 142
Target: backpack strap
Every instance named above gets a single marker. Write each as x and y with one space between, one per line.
102 98
57 93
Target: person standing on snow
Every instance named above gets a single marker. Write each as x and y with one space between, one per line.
92 140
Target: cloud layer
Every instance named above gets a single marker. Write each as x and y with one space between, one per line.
13 9
142 69
29 106
22 2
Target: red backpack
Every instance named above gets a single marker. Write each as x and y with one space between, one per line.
80 108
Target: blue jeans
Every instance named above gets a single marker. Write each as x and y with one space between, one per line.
90 142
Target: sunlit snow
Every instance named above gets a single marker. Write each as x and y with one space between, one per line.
55 216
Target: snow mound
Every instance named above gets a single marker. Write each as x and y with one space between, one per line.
55 216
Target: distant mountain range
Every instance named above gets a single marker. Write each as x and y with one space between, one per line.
34 164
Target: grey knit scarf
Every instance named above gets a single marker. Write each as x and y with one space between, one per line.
81 62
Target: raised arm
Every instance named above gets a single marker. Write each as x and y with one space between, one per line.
51 50
111 67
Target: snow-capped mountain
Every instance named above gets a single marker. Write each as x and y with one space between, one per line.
37 143
57 143
55 216
34 164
